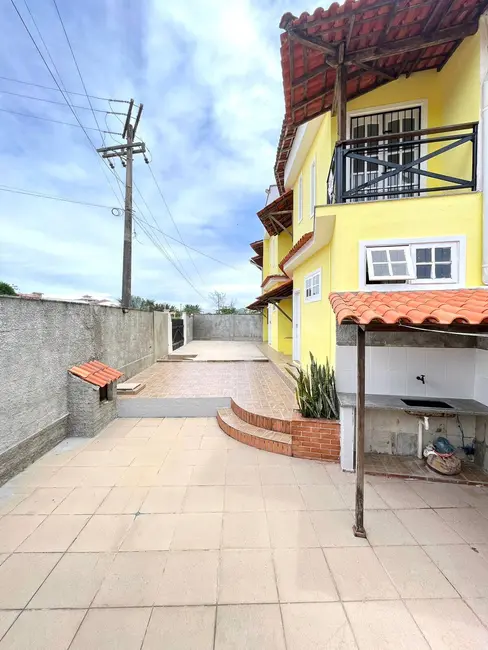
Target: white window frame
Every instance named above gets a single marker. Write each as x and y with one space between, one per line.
300 199
313 187
454 262
309 278
410 275
458 281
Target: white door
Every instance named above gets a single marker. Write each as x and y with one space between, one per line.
270 323
296 325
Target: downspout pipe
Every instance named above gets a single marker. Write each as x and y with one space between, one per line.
484 178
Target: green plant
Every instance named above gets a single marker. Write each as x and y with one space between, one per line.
316 391
7 289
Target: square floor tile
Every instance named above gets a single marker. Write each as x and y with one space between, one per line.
42 501
242 456
339 476
291 530
73 582
277 475
475 495
359 575
467 523
14 529
372 500
82 501
283 497
134 580
164 500
7 617
246 627
247 576
150 456
245 530
171 474
384 529
21 575
200 530
385 626
334 528
266 458
123 501
138 477
303 575
190 578
112 629
103 533
150 533
311 473
440 495
55 534
43 630
399 495
313 626
35 476
204 499
465 569
242 475
208 475
181 628
449 624
413 573
480 608
10 497
322 497
243 498
427 527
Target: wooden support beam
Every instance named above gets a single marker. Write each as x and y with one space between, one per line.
358 527
314 43
275 303
340 93
413 43
376 71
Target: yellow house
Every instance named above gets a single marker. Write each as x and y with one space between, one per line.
381 154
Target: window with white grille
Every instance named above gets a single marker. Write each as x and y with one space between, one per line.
313 286
389 263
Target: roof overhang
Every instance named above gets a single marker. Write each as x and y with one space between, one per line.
303 140
257 260
272 280
281 292
321 236
461 307
257 246
277 216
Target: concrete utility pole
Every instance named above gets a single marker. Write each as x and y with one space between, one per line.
126 153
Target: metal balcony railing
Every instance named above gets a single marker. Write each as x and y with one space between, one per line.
395 165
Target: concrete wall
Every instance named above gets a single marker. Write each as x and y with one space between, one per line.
188 327
227 327
162 334
41 339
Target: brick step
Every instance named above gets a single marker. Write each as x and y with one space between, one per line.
261 421
233 426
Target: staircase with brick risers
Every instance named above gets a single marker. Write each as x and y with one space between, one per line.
262 432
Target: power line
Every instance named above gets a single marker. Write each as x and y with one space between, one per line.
49 119
78 69
52 101
172 219
68 92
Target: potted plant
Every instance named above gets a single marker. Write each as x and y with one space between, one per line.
315 426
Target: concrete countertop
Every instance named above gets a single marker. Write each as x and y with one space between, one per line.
394 403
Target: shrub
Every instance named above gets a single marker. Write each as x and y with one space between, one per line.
316 391
7 289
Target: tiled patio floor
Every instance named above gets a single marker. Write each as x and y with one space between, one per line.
168 534
256 386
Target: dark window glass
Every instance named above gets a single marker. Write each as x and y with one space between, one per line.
423 255
443 254
424 271
443 271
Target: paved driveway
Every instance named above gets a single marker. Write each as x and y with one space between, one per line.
168 534
221 351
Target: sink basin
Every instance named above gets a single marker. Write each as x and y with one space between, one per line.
427 403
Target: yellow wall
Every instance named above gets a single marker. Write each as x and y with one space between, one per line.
284 244
264 274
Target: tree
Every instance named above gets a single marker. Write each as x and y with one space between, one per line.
7 289
221 304
192 309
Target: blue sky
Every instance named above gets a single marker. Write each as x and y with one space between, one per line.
209 76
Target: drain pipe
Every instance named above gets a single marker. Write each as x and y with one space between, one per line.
484 179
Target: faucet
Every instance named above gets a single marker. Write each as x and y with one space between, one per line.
421 378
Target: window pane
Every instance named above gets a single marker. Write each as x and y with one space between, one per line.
379 256
443 254
443 270
423 255
424 271
399 268
381 270
397 255
315 281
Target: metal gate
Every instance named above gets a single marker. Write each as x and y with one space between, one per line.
178 332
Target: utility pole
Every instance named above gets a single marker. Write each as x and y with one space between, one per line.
126 153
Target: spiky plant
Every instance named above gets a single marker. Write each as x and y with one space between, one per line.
316 391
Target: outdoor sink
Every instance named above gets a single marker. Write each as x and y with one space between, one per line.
427 403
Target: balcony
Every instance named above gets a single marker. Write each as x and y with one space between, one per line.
404 165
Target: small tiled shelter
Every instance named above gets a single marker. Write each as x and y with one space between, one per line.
92 393
463 311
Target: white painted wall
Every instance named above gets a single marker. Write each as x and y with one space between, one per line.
449 372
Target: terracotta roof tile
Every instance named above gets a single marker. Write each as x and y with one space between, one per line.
271 277
257 246
280 210
468 306
283 290
295 248
97 373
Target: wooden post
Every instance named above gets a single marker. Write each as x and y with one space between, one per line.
341 95
358 528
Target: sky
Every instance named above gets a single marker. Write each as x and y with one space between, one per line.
209 76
